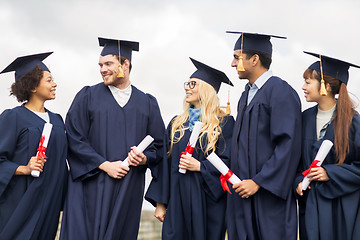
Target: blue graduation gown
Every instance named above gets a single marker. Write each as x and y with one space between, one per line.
195 201
98 129
330 210
266 148
30 207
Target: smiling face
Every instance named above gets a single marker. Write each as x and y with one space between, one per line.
46 88
192 92
109 68
311 90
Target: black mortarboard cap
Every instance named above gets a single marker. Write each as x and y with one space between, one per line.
334 67
111 46
210 75
254 41
25 64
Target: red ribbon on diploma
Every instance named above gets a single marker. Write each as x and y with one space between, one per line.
41 149
224 179
313 165
188 149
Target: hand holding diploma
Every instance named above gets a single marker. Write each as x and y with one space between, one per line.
226 174
137 152
320 156
42 146
192 142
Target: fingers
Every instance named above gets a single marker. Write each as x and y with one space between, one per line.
136 157
36 164
299 189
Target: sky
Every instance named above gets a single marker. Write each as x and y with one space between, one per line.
169 33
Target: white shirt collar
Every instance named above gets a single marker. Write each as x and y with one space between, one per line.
121 96
262 79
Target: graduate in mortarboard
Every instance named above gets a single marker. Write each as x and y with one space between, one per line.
265 149
104 124
30 206
193 205
329 208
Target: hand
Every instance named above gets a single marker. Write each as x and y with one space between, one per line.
189 163
299 189
136 158
33 164
318 174
160 211
246 188
114 169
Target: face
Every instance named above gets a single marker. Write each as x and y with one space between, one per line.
109 69
46 88
192 92
246 64
311 90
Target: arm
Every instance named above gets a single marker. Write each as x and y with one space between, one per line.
223 149
154 153
83 159
278 172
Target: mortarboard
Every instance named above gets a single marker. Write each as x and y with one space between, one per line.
210 75
253 41
331 66
111 46
118 47
25 64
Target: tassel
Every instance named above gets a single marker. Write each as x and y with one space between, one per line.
228 110
322 88
121 72
240 66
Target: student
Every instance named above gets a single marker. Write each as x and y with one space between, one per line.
265 149
329 208
104 123
192 205
29 206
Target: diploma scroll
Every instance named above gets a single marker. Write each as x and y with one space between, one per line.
226 173
320 156
141 147
42 145
192 142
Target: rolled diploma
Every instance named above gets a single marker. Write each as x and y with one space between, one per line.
220 165
192 140
46 133
320 156
141 147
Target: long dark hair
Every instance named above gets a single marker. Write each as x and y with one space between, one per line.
344 112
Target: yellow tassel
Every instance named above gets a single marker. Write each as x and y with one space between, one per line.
322 88
240 66
121 72
228 110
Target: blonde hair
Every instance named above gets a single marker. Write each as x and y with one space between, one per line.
211 117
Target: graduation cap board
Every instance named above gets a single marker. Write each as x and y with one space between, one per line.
331 66
118 47
253 41
212 76
25 64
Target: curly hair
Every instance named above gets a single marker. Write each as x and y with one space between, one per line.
211 116
22 87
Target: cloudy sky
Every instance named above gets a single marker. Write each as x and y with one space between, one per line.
169 33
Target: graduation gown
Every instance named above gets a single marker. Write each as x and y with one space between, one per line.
195 201
330 210
99 129
30 207
266 148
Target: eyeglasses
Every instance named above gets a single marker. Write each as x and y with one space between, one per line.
190 84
